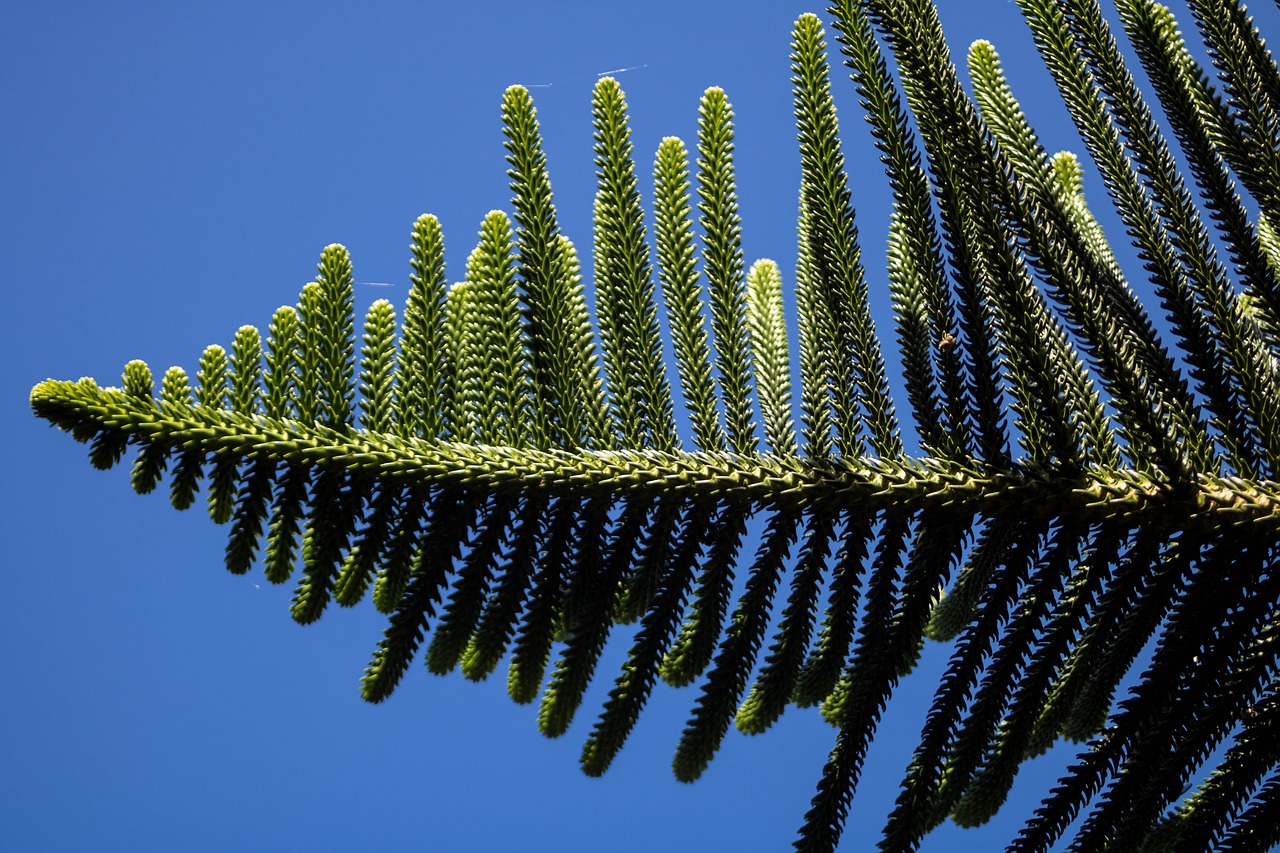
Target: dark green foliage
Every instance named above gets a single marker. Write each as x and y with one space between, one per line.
435 549
493 631
1083 491
150 464
176 398
532 646
449 640
772 691
250 513
736 657
690 654
590 620
657 629
821 670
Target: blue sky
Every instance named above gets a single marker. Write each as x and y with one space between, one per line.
170 172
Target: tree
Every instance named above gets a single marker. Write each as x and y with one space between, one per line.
507 475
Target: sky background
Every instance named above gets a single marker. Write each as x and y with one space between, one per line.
171 172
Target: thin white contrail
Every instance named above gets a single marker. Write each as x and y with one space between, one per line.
595 76
620 70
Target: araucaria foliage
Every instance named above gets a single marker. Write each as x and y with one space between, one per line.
504 476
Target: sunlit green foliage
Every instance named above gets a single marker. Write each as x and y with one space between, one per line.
506 478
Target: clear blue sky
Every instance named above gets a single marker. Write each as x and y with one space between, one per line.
170 172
